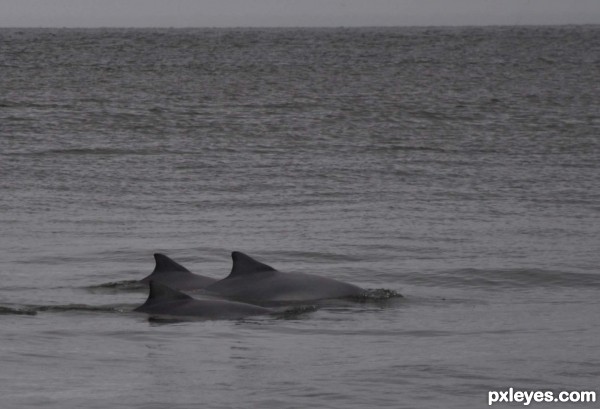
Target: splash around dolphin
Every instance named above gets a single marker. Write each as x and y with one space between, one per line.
176 276
254 282
166 302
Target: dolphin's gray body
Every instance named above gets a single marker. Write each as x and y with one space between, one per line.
176 276
255 282
165 301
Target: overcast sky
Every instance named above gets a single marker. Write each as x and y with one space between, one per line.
270 13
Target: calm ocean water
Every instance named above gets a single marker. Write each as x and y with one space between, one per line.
459 167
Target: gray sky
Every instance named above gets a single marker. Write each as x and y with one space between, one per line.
224 13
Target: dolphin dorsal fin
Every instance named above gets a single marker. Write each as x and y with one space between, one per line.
163 293
166 264
243 264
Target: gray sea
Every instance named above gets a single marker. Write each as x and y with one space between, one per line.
458 167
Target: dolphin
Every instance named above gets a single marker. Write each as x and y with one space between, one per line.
254 282
165 301
176 276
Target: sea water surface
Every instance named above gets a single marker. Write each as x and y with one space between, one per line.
459 167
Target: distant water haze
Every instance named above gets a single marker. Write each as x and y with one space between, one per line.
286 13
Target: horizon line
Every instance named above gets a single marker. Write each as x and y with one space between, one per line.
301 26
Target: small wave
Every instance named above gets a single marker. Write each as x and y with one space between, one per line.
83 151
409 148
376 295
158 320
17 311
296 312
510 278
81 308
35 309
118 286
104 151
